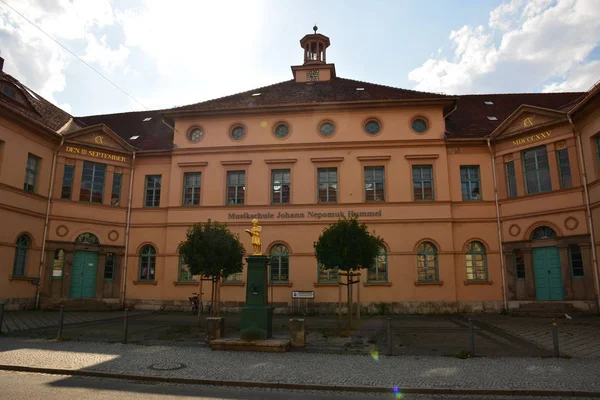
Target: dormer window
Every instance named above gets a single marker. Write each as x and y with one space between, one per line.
134 137
9 90
489 103
492 118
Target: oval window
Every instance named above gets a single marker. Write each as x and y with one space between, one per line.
420 125
372 127
282 131
196 134
327 129
238 132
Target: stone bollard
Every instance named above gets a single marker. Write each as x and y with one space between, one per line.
297 333
215 328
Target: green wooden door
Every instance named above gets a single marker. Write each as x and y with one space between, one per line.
83 275
547 271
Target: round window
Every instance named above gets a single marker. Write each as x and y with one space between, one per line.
419 125
238 132
372 127
282 131
196 134
327 129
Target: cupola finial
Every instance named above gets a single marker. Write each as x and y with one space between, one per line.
315 28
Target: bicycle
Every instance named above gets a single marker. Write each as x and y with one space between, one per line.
194 300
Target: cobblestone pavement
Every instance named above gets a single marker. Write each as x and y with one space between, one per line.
577 337
18 321
307 368
32 386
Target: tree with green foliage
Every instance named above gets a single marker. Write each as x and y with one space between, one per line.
347 246
211 250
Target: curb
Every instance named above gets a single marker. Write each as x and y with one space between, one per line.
296 386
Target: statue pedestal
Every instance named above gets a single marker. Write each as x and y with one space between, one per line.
257 316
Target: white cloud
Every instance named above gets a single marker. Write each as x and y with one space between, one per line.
580 78
35 59
97 51
539 42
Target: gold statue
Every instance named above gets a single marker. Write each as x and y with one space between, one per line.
255 233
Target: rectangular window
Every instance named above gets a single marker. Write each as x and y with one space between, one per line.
280 186
59 264
327 275
237 277
327 185
536 170
152 198
519 264
109 266
470 183
374 184
576 261
31 171
423 182
115 193
511 180
564 168
92 182
67 185
184 272
191 188
236 187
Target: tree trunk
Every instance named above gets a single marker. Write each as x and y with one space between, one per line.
349 298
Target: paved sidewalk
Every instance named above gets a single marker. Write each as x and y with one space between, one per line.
543 374
17 321
577 337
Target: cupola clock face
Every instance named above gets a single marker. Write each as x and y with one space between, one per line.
312 75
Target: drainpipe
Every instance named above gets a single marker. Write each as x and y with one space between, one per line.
589 212
502 265
48 204
124 271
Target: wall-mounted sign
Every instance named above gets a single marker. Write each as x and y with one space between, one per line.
303 215
532 138
305 294
95 154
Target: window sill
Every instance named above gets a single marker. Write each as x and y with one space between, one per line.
326 284
241 283
284 284
154 283
184 283
478 282
21 278
429 283
377 284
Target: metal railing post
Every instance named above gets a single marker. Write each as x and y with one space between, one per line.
555 339
125 326
390 348
60 323
471 339
1 316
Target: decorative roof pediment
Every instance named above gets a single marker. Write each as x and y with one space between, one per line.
100 137
528 119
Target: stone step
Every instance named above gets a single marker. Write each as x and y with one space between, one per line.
80 305
552 306
546 314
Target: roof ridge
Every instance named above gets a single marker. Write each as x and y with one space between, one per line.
517 94
394 87
231 95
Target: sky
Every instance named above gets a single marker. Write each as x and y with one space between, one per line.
167 53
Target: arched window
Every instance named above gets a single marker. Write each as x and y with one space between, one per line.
147 263
87 238
379 273
280 263
543 232
427 262
21 256
476 262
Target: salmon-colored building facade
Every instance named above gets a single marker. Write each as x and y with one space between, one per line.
484 202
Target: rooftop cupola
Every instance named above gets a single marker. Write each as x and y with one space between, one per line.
315 67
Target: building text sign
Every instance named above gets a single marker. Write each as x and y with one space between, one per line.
532 138
303 215
95 154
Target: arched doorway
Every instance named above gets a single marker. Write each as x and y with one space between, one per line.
85 268
546 265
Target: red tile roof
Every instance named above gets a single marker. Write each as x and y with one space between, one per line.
300 93
152 134
470 118
36 107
